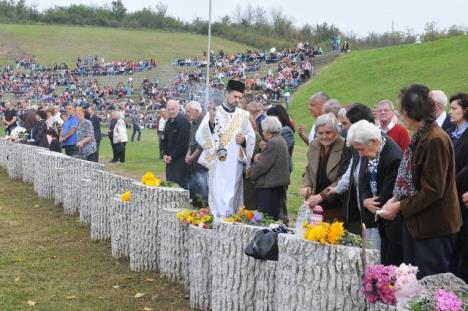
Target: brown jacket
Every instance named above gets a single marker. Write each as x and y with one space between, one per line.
272 169
434 210
335 159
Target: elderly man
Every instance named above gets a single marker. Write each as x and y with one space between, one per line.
440 100
388 124
10 117
316 109
175 144
331 106
228 141
68 134
198 178
256 111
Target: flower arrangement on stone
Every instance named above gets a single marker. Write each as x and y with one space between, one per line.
126 196
391 285
250 217
150 180
18 134
324 233
441 300
201 218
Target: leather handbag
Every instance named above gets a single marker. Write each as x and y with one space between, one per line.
264 245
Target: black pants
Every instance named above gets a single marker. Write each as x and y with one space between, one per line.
198 184
98 144
177 172
92 157
160 137
431 256
70 150
120 152
136 129
269 201
114 152
459 262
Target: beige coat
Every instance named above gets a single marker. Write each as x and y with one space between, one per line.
120 132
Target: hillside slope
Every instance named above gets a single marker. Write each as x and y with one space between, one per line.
372 75
53 43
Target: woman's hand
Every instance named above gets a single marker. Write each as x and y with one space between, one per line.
314 200
390 210
306 192
256 157
372 204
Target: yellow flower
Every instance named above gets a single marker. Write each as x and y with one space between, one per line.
229 219
317 233
205 219
150 180
336 232
126 196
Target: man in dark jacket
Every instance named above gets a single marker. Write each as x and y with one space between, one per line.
175 144
96 121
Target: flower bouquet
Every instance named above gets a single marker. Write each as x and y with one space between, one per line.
441 300
126 196
201 218
18 134
250 217
149 179
324 233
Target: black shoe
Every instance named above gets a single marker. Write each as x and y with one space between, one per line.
113 161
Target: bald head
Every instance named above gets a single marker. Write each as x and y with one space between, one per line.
173 109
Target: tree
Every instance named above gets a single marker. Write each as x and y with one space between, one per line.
118 10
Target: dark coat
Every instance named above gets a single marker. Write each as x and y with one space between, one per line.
272 169
447 125
176 137
461 162
434 210
288 136
39 134
96 121
387 171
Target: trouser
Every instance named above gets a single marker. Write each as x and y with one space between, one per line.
431 256
92 157
459 262
70 150
120 152
283 215
136 129
160 137
98 144
177 172
114 152
198 185
391 253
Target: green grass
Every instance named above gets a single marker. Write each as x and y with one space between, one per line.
49 259
53 44
372 75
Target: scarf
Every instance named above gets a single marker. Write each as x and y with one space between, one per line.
372 168
404 184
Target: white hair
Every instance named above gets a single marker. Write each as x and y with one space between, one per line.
362 132
326 119
342 113
194 105
439 97
387 102
332 106
272 125
319 96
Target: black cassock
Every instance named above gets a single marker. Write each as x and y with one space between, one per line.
175 144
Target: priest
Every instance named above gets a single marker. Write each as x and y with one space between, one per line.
228 141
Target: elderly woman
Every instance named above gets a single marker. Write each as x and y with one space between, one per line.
425 191
119 137
327 156
270 170
459 135
373 176
85 141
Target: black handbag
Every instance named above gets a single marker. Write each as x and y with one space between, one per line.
264 245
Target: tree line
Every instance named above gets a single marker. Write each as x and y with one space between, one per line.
252 25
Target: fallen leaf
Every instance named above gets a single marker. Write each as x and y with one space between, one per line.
36 206
17 279
100 297
148 309
139 295
71 297
32 303
149 280
116 286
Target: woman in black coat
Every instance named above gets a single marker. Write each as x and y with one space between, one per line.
459 136
39 131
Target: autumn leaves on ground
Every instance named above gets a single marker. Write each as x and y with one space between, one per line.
48 262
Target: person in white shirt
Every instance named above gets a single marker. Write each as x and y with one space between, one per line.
162 119
316 109
440 100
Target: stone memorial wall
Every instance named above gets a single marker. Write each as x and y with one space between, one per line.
210 263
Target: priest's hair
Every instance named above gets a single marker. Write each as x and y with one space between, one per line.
272 125
363 132
328 118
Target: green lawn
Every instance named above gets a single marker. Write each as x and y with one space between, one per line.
48 259
53 44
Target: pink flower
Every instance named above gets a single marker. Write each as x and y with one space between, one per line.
447 301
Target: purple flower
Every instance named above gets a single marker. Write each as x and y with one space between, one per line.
447 301
257 218
379 281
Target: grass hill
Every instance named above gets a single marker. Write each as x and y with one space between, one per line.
372 75
53 43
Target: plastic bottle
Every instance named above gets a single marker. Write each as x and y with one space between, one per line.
303 215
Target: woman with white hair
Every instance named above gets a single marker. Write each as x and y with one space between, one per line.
120 137
327 157
270 170
372 180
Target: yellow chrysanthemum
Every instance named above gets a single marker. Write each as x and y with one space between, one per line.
126 196
335 233
229 219
317 233
150 180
